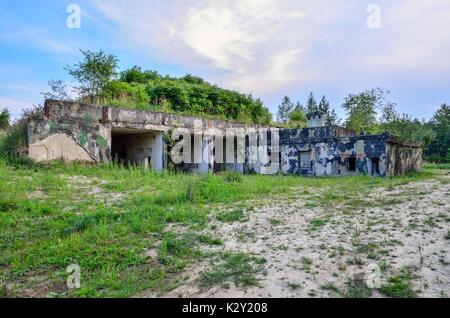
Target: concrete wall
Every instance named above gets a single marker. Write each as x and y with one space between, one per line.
79 132
332 155
68 139
403 158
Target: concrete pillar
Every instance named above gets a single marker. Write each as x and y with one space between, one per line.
158 152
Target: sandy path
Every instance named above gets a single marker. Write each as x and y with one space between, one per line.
304 255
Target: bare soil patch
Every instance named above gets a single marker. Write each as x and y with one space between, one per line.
325 251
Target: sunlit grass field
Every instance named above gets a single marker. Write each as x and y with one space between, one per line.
105 218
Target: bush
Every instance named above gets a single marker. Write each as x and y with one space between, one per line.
232 177
125 92
201 190
4 119
16 140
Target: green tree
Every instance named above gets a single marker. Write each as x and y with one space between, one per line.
299 107
124 91
389 114
297 118
193 79
406 127
284 109
362 110
4 118
324 106
311 104
133 75
58 90
93 73
439 148
331 117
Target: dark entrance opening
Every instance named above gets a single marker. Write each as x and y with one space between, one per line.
351 163
131 146
118 148
375 166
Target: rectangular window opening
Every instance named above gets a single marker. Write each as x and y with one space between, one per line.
351 164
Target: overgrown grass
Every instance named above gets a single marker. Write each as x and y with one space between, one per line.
240 268
438 166
50 218
232 216
399 286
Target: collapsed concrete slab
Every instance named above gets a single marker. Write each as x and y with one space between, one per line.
73 131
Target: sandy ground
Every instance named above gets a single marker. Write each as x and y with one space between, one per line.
302 259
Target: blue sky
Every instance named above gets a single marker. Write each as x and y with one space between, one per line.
269 48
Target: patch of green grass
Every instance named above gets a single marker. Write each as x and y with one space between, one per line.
232 216
175 253
318 223
274 222
330 287
241 268
294 286
206 239
399 286
232 177
437 166
306 263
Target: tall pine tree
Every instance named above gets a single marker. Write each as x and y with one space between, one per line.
311 104
331 117
284 110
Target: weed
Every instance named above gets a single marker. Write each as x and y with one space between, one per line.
274 222
232 177
399 286
241 268
175 252
206 239
331 287
306 263
318 223
294 286
357 288
232 216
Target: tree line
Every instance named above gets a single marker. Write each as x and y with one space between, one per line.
371 112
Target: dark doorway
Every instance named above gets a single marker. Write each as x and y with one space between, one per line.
351 164
375 166
130 147
118 148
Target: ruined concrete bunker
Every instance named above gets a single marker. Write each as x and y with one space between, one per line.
73 131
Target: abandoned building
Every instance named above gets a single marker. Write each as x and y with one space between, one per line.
72 131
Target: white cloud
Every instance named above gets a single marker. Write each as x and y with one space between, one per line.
15 106
415 35
263 45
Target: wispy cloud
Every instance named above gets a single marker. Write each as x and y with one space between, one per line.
15 106
23 88
262 45
36 38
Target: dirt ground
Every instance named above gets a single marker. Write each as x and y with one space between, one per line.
315 251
